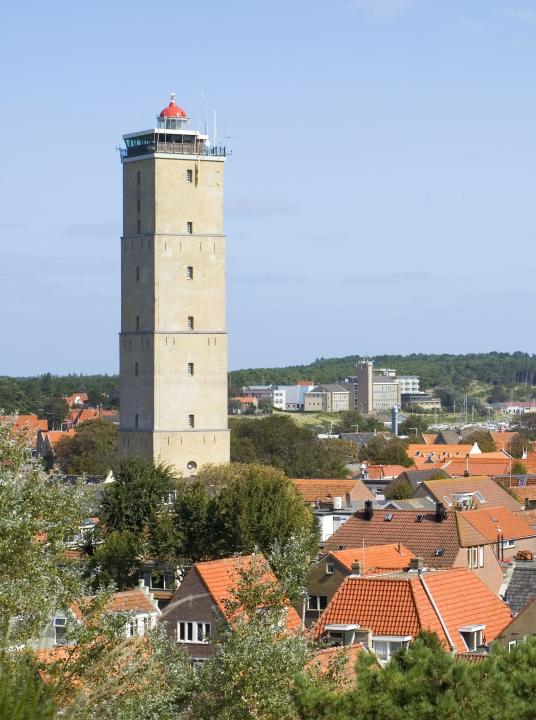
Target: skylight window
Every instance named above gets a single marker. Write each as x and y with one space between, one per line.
439 552
388 517
419 518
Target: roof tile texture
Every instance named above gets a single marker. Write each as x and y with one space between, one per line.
375 558
422 538
325 490
401 607
221 576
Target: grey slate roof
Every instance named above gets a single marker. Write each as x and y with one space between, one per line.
416 477
522 586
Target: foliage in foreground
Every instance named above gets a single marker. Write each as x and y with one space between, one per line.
426 683
36 515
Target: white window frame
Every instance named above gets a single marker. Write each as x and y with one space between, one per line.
317 603
330 567
196 637
392 643
59 623
476 633
511 644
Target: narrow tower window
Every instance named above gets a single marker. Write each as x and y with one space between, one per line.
138 274
136 369
191 420
139 227
189 227
137 323
190 368
189 176
138 205
190 322
139 178
136 421
190 272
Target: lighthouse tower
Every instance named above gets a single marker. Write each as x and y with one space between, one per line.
173 340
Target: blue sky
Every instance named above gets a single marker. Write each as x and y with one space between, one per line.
380 195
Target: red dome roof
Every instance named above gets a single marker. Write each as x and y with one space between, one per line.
173 110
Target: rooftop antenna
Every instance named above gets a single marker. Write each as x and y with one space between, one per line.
214 135
205 110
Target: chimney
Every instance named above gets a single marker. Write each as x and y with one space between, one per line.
356 567
368 510
416 563
440 512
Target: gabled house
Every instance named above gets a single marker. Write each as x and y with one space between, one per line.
28 424
443 539
47 439
333 501
521 588
468 492
138 604
387 613
506 529
520 628
330 571
195 615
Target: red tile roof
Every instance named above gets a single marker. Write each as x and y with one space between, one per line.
54 436
130 601
400 606
376 558
29 423
493 494
477 465
502 440
312 489
377 472
221 576
487 521
440 452
324 658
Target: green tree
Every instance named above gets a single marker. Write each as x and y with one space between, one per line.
116 561
251 675
134 501
256 507
92 450
240 508
22 694
483 440
414 426
399 490
383 450
193 518
36 515
519 444
55 410
519 468
277 441
353 421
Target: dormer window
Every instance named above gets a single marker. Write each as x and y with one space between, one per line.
385 646
341 634
330 568
472 636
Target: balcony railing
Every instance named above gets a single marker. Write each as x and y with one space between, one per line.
174 149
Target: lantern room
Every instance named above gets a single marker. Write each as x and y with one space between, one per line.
172 117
